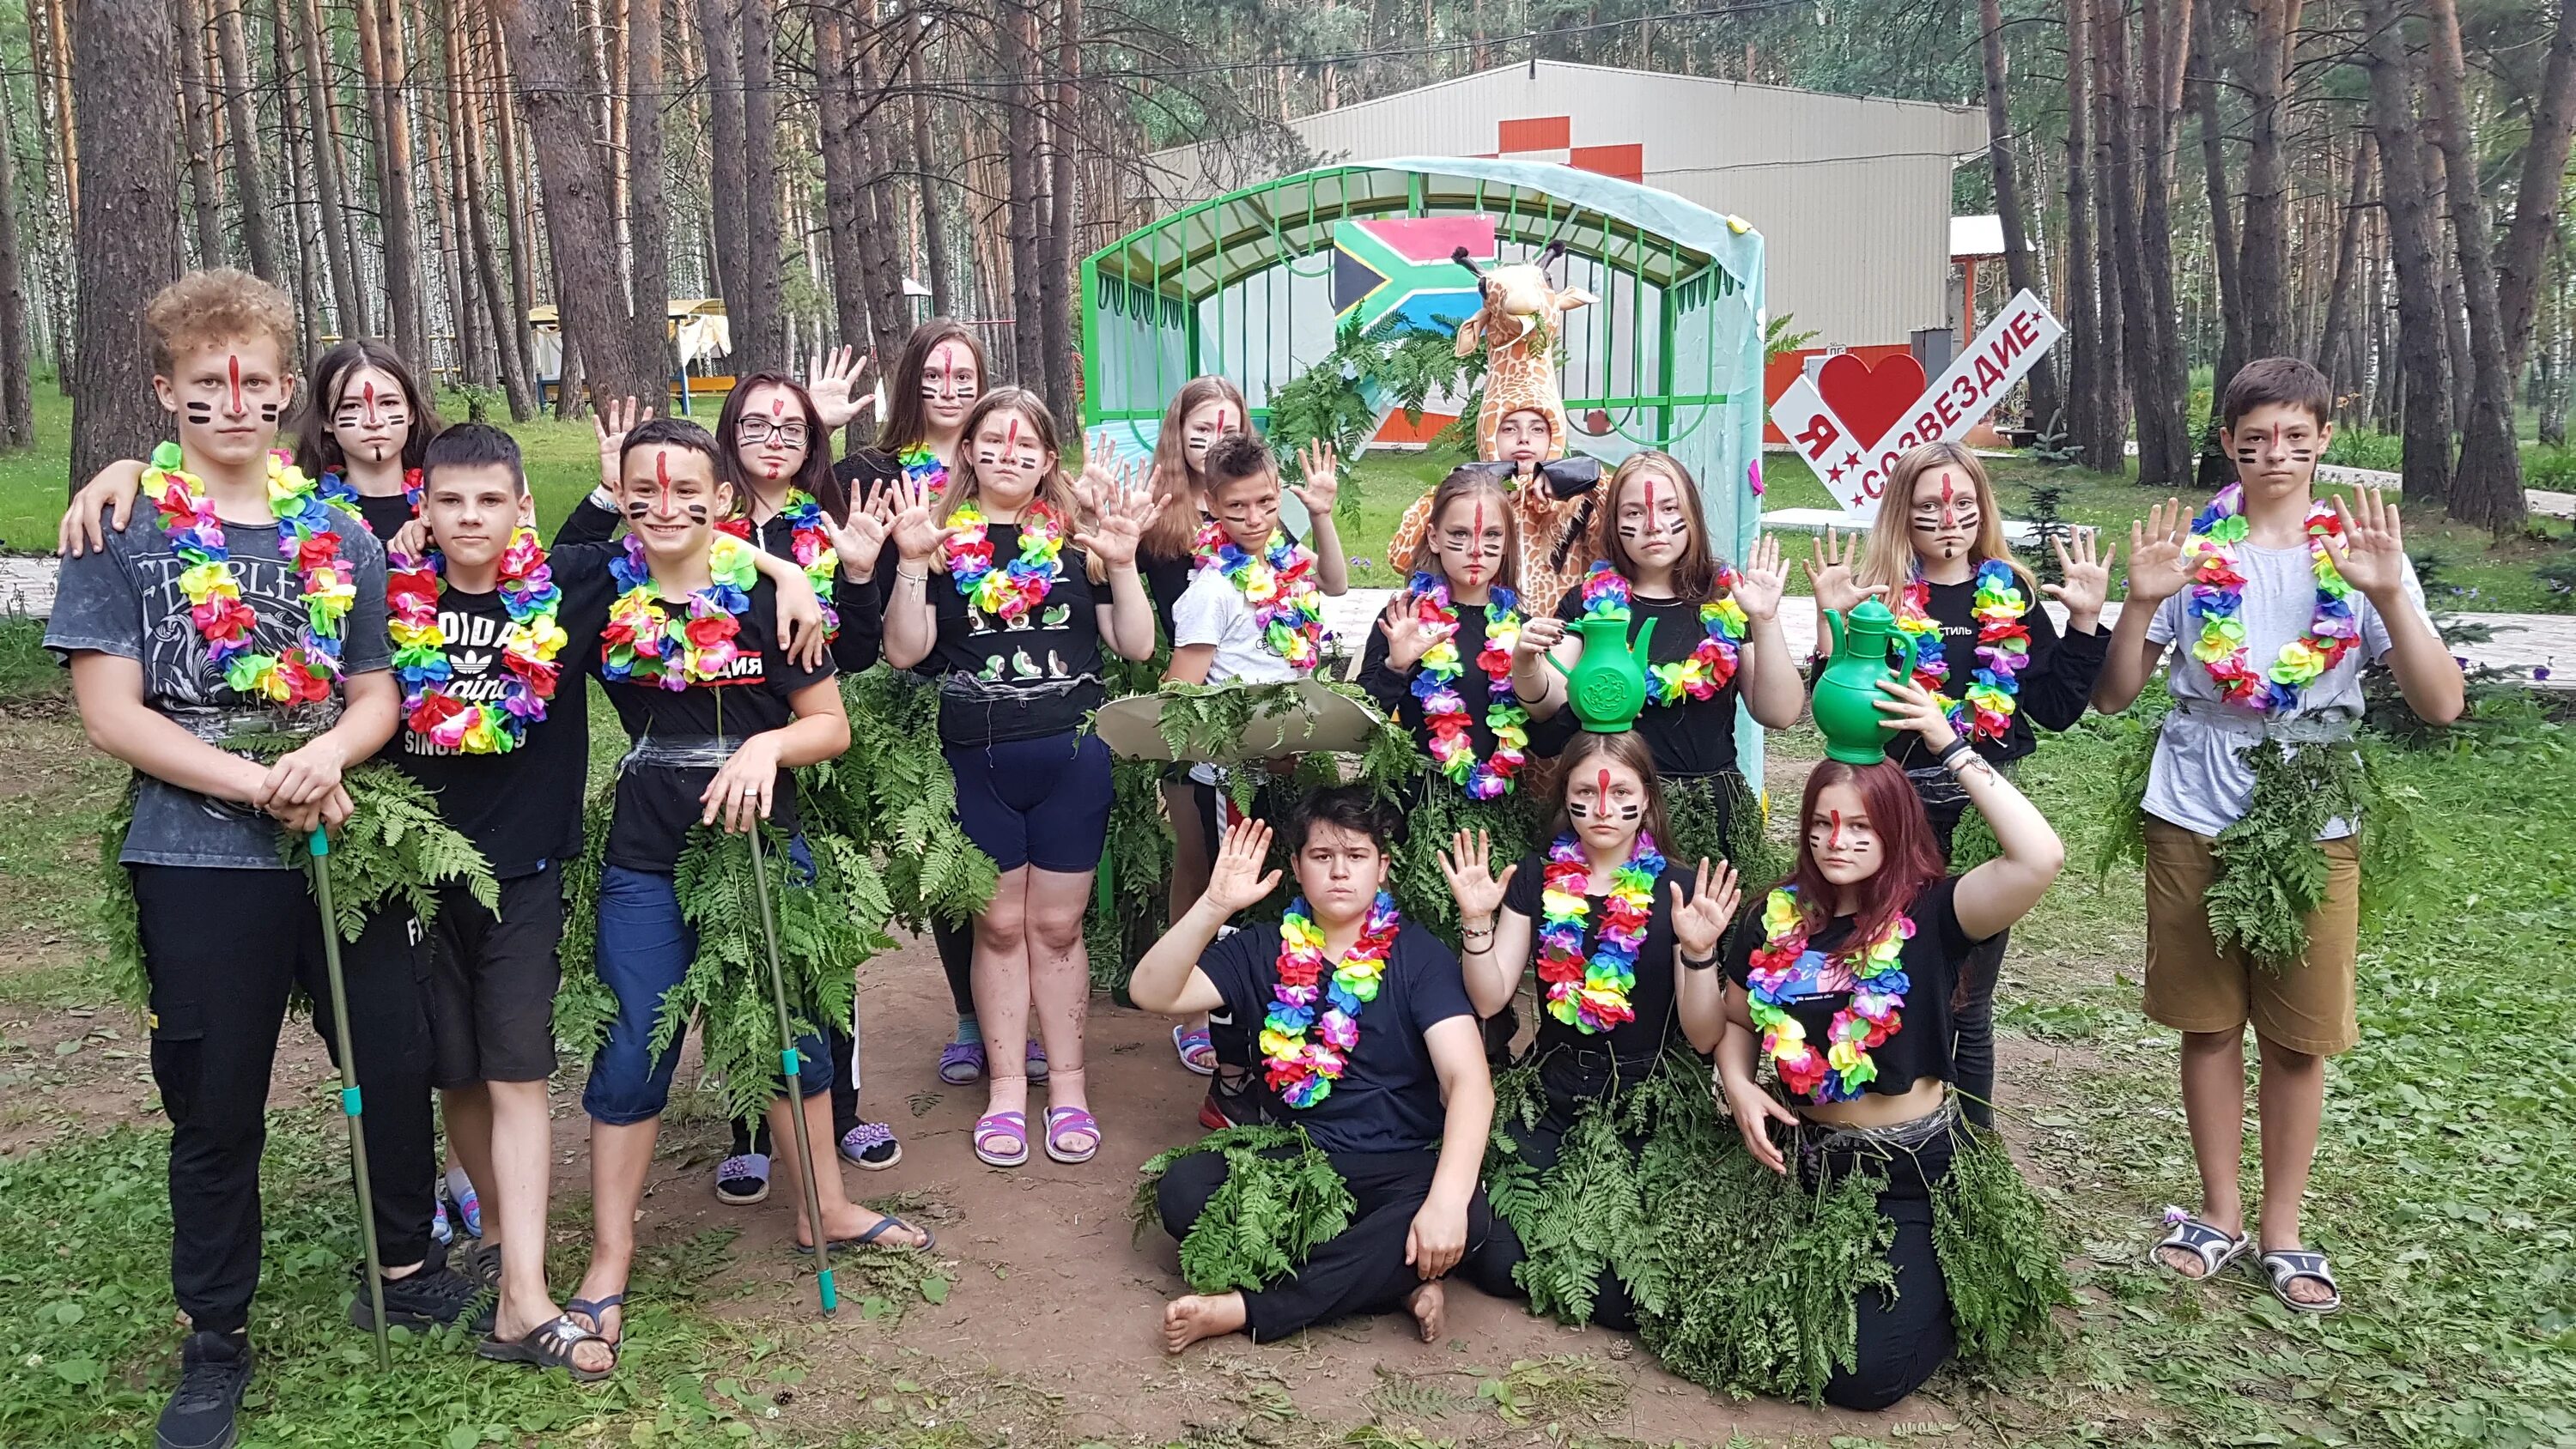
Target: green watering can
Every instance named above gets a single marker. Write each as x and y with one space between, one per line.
1847 694
1607 685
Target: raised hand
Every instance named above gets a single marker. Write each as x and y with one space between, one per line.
2371 555
916 529
612 421
1408 638
1235 882
1537 636
832 380
1699 922
1760 582
1101 475
1118 523
1829 573
1320 467
2088 579
2155 554
1910 706
1468 865
861 541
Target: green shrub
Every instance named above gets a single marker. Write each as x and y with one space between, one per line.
2362 448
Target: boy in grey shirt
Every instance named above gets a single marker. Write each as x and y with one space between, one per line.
2277 601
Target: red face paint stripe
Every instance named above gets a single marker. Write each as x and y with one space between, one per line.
662 474
1834 841
232 365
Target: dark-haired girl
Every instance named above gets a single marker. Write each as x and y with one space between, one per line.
1842 978
999 593
1717 641
1610 924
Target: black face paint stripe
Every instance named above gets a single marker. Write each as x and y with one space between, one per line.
638 509
201 412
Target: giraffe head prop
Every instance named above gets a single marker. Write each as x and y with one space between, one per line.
1518 327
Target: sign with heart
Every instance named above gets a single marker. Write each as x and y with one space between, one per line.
1854 421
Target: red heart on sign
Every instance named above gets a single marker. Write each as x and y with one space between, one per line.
1871 401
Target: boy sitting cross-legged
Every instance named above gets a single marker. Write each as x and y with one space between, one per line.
1366 1033
246 605
2269 591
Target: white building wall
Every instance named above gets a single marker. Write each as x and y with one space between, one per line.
1851 194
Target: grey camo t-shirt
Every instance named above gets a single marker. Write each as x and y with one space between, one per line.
125 600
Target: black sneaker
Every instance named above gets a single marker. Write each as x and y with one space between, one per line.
214 1370
435 1295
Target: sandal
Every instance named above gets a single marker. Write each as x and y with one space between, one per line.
2214 1249
2288 1265
1035 1063
550 1345
929 1239
1197 1052
961 1063
1063 1122
598 1313
1011 1129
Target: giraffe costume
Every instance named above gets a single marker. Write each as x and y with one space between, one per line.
1518 329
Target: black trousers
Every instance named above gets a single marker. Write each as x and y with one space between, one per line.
956 958
1904 1338
1972 1010
1361 1271
222 949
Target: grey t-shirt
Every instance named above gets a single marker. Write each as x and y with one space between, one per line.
2198 780
125 600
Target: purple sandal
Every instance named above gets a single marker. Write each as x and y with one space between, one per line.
1062 1122
961 1063
1010 1129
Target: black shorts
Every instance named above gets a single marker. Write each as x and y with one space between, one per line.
492 982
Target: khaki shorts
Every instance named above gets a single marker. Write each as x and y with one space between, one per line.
2193 986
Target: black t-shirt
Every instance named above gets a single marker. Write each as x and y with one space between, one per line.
521 808
1393 689
1021 679
1388 1099
2056 680
656 804
385 513
1689 736
1651 998
1166 579
861 607
1931 959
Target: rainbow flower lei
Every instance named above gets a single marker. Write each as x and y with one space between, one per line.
2218 597
1871 1016
643 644
1592 996
1279 584
305 673
1302 1070
1444 714
528 650
2003 649
342 493
810 546
920 465
1017 587
1711 664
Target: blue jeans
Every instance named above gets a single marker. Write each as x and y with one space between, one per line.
645 946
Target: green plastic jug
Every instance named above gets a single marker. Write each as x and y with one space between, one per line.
1847 696
1607 685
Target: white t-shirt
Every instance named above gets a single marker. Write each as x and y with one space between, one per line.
2197 780
1213 611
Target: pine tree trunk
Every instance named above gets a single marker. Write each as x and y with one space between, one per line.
312 271
66 110
2083 371
250 189
337 245
2161 395
2266 268
497 297
2332 342
499 83
544 40
647 222
2537 200
196 112
2426 392
2110 113
2021 268
1019 61
930 167
127 243
720 36
760 340
880 210
17 396
2225 257
842 199
2487 488
478 358
380 56
2121 87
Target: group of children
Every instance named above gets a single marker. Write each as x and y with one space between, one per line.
386 595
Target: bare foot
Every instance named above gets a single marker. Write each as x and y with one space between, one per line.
511 1322
1187 1320
2183 1261
2303 1289
1430 1307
